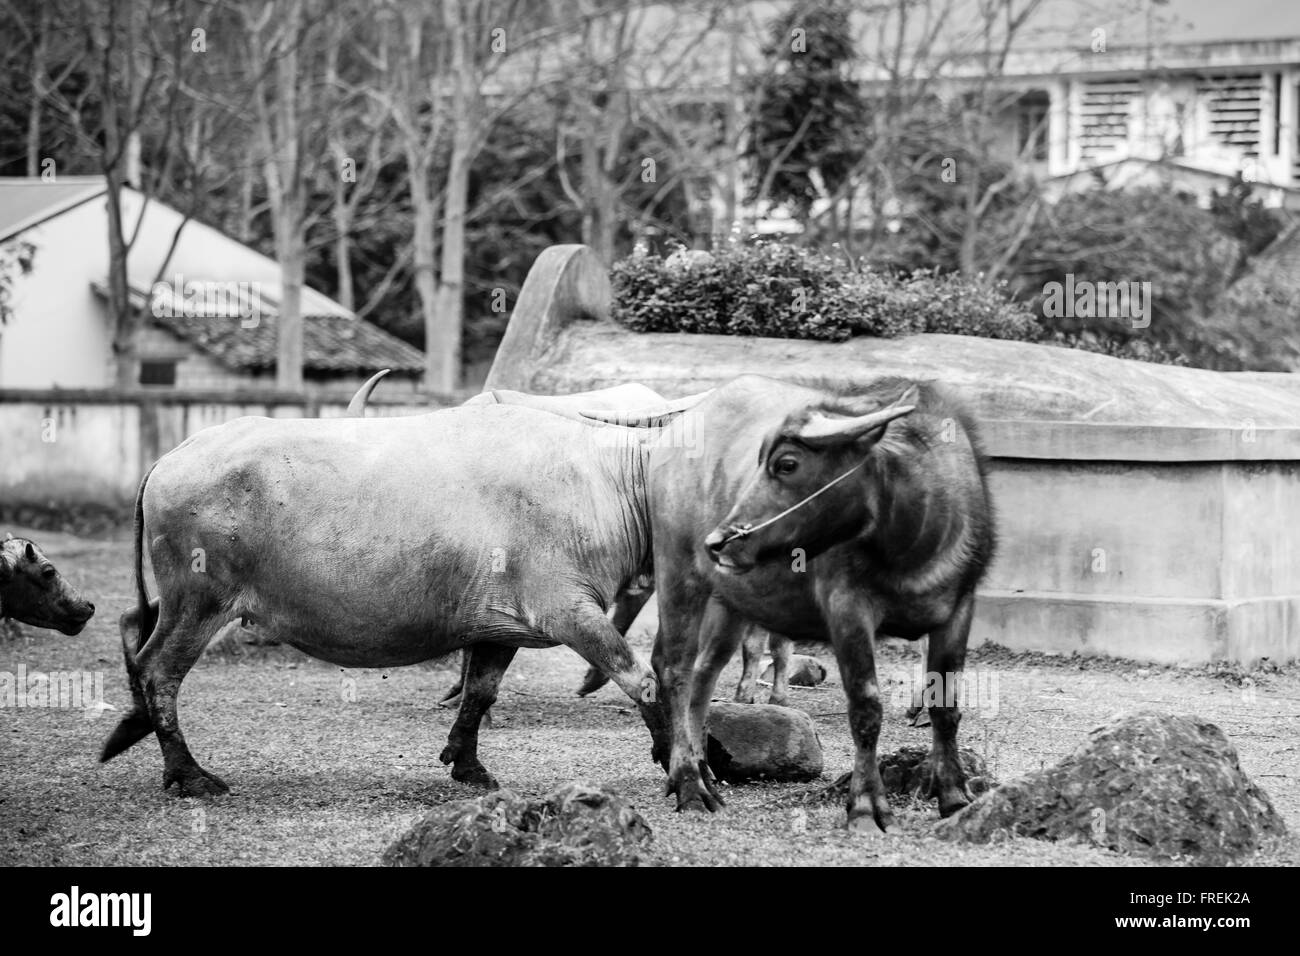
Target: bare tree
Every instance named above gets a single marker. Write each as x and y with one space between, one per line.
441 61
288 101
131 66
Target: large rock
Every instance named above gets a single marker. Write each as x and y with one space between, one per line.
1151 784
578 824
762 742
805 671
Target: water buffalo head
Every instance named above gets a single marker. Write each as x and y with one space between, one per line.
33 591
811 490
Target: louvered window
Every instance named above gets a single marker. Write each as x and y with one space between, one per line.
1232 102
1103 114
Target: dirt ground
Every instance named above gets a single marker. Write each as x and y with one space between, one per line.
318 778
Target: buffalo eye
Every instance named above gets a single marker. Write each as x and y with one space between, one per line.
49 571
785 466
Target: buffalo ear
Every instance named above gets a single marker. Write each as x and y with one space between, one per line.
823 429
30 552
9 535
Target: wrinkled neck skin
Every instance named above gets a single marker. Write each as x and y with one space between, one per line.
623 456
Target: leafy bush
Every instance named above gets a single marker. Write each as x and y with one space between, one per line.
1149 236
783 291
1263 310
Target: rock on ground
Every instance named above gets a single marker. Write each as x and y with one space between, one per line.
905 773
762 742
1149 784
578 824
805 671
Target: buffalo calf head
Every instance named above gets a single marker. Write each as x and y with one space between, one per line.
34 592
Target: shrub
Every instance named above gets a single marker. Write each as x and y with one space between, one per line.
783 291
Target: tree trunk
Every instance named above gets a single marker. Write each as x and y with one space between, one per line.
289 206
35 110
424 252
291 251
126 320
443 341
343 247
443 335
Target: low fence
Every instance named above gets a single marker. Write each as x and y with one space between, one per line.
1145 511
84 446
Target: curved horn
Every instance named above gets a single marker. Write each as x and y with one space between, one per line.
651 417
357 407
828 428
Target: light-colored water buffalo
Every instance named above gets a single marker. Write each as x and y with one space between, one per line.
624 399
822 517
388 541
34 592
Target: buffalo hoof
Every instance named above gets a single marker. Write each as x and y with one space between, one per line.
695 791
475 776
195 782
953 797
468 770
776 701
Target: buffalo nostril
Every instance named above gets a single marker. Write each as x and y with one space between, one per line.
91 605
716 541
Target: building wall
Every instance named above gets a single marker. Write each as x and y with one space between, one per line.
59 336
1226 121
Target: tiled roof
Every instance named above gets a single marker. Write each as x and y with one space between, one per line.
331 343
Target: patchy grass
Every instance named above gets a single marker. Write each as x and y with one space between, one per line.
320 779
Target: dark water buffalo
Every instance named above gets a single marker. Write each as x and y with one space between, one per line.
388 541
34 592
821 517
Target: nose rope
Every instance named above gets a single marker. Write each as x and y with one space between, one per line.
748 529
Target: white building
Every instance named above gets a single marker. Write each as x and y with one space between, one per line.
61 333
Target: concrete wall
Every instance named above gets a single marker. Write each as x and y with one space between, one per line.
94 446
1145 511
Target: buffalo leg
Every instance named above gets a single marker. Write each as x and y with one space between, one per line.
693 647
720 633
782 648
946 657
485 664
752 657
136 724
626 607
593 636
173 648
853 636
